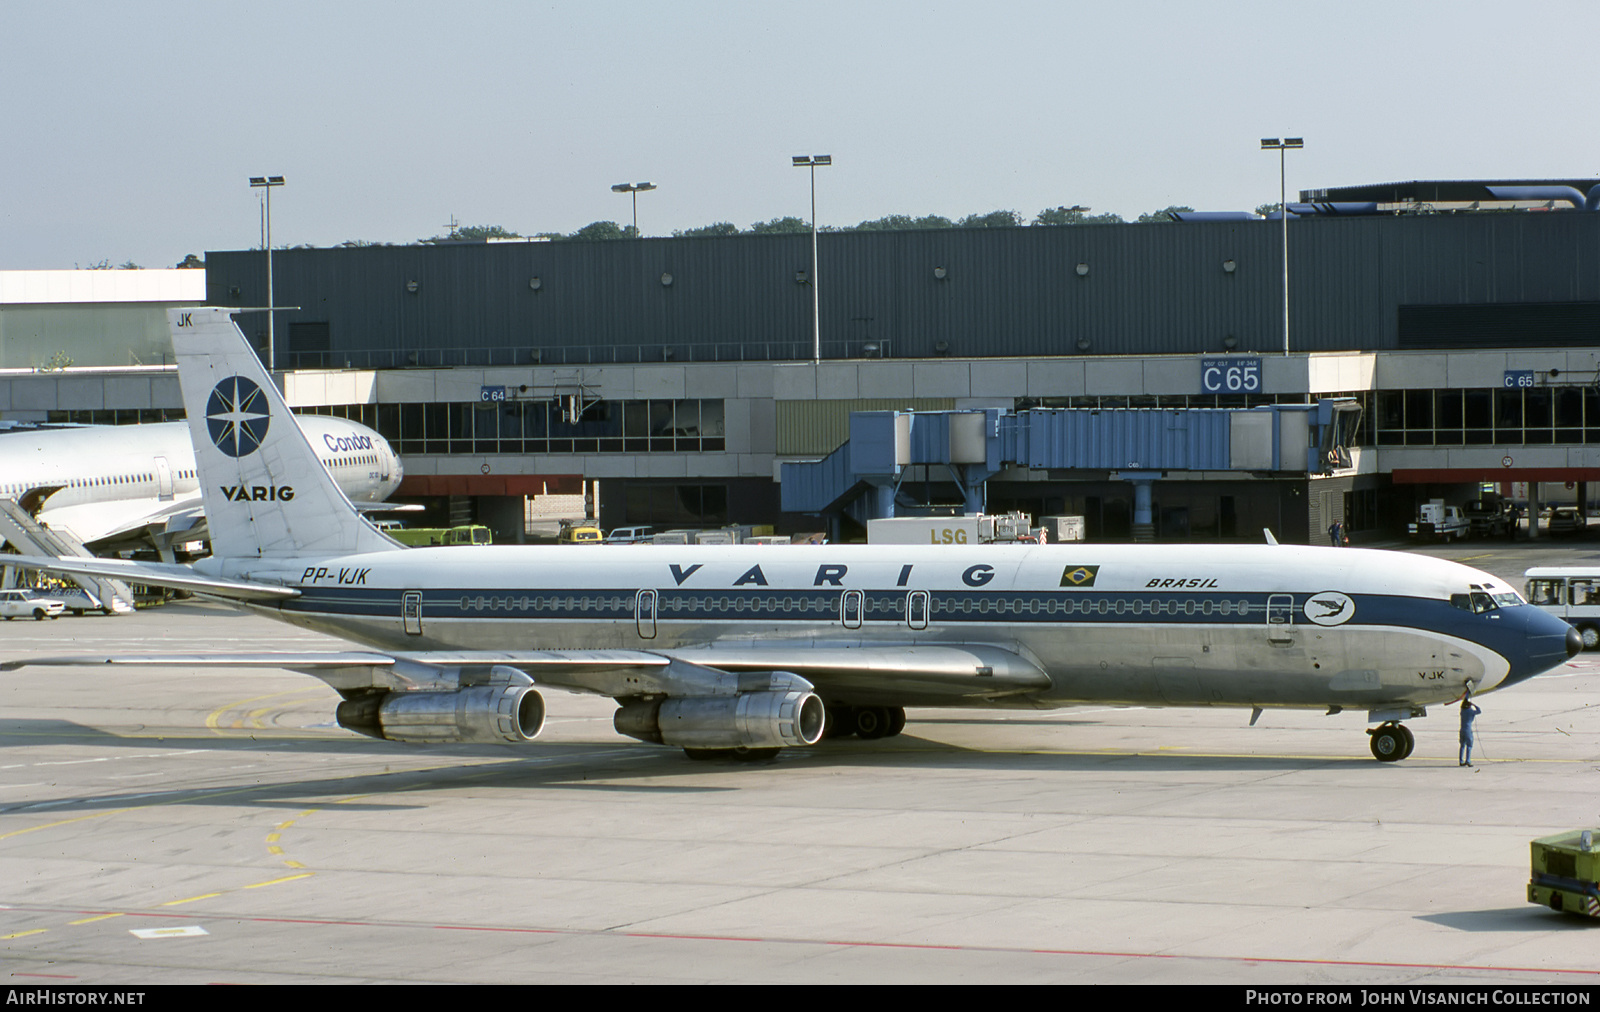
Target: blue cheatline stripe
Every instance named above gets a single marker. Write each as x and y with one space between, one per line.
951 607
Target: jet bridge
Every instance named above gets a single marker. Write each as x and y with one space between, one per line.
864 478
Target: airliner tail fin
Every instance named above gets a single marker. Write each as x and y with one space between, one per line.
265 492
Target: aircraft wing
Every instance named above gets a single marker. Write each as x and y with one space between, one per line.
100 522
886 675
159 574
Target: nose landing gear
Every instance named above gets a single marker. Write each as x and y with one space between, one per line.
1391 741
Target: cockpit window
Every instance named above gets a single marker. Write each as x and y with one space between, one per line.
1479 600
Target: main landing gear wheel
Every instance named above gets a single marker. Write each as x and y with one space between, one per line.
867 722
878 721
1391 742
897 720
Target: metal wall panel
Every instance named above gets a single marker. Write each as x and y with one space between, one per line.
817 428
1147 289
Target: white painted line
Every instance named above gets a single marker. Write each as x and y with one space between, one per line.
188 932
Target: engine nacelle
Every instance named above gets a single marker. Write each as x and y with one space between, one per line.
484 714
747 720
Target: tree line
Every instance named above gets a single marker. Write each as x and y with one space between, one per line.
787 225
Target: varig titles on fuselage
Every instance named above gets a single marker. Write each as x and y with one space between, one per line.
832 575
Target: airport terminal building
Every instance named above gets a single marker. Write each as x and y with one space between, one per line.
1114 371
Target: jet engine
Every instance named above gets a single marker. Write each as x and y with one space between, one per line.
746 720
485 715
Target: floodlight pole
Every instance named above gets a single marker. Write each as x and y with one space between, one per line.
267 183
635 189
1280 146
812 162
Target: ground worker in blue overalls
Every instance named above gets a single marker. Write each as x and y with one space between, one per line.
1469 713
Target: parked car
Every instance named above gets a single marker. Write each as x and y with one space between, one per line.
630 535
1489 517
1566 520
22 603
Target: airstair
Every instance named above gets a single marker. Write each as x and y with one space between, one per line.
28 537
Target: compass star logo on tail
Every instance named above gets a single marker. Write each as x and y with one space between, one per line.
237 417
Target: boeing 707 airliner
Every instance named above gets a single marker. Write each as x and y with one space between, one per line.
744 650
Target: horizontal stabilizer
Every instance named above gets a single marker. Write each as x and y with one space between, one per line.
286 659
160 574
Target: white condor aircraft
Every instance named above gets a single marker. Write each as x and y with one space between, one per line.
746 649
110 483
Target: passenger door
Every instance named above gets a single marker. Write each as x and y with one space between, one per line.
1280 620
850 608
644 613
411 612
917 609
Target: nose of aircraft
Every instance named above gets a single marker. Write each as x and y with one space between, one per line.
1548 643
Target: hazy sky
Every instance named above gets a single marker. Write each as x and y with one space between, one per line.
128 130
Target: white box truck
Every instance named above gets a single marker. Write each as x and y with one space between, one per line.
1436 520
972 529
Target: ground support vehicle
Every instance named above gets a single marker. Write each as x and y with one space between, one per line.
1566 872
971 529
1569 592
579 532
1488 518
467 534
80 601
1436 520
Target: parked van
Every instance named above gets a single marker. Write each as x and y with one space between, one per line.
630 535
1570 592
466 534
579 532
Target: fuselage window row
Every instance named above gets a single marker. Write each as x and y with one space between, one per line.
884 605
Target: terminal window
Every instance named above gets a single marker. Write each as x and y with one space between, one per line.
551 426
1528 417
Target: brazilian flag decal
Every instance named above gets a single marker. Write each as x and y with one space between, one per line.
1079 576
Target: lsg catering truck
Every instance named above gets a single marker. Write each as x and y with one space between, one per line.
973 529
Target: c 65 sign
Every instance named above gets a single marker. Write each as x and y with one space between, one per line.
1230 375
